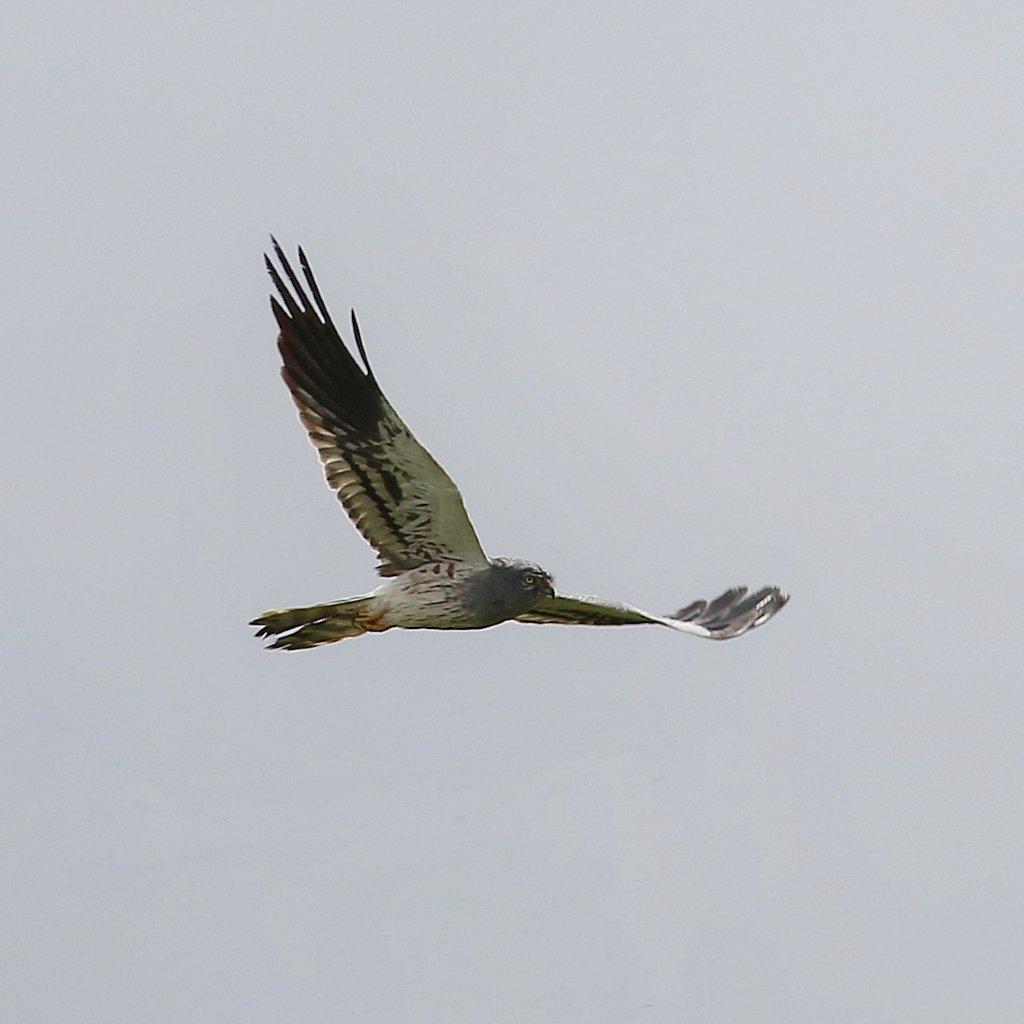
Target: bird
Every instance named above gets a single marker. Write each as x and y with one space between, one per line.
435 572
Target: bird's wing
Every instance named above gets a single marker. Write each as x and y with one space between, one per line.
400 499
728 615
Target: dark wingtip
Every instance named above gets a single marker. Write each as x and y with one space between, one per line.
268 262
734 612
359 345
314 288
282 318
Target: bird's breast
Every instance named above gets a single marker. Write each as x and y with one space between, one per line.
431 596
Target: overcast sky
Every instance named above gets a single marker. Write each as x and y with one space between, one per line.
682 296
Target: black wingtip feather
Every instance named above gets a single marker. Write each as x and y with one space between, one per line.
286 296
359 344
282 318
314 288
315 357
293 280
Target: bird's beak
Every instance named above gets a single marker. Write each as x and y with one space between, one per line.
549 588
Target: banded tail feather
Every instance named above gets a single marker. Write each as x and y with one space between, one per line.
318 624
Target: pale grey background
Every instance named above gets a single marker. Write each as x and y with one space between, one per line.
682 296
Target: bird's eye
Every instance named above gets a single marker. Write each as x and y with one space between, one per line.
529 579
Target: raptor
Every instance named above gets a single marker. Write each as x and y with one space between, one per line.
436 574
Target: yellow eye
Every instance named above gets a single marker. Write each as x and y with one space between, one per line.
529 579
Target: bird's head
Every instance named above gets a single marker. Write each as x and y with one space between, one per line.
510 586
519 575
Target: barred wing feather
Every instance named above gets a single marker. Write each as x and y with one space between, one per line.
730 614
402 502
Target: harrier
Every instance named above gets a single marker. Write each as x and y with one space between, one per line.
405 505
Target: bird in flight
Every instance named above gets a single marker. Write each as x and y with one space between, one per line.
436 575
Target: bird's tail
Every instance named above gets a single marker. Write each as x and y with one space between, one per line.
310 627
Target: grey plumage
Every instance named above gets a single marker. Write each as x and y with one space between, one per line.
499 593
436 575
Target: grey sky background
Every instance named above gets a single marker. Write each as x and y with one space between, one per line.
682 297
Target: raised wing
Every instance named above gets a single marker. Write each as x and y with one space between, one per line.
728 615
399 498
